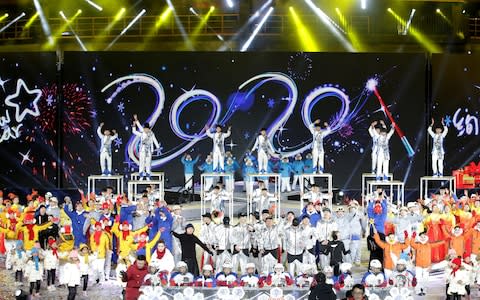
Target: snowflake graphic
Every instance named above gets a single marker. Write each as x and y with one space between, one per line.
50 100
271 103
159 150
448 120
118 142
246 135
121 107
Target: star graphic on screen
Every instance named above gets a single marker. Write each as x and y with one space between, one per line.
193 88
32 108
231 145
271 103
50 100
25 157
121 107
246 135
447 120
118 142
2 83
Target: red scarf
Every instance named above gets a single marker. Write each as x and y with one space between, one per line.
141 244
125 233
160 254
96 237
55 252
31 233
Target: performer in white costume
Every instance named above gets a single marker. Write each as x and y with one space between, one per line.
383 157
218 146
438 152
264 148
106 139
374 133
148 143
318 152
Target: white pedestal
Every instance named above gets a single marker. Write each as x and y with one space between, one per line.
92 179
276 191
133 188
400 187
305 180
228 178
154 176
369 177
425 180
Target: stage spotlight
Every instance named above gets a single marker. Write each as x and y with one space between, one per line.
230 3
202 23
352 36
3 17
43 20
95 5
331 25
409 22
180 26
193 11
421 39
163 17
137 17
438 10
257 29
31 20
69 25
306 38
12 22
363 4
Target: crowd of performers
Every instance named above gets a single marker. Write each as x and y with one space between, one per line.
110 238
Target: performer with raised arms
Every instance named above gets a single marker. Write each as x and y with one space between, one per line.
374 133
264 149
218 146
318 152
383 157
148 143
106 149
438 152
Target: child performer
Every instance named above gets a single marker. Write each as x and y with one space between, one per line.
73 274
218 146
383 157
374 133
106 139
51 263
285 171
207 167
188 166
148 143
264 148
318 152
34 271
19 261
438 153
297 168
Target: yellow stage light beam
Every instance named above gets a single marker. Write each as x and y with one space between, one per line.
352 35
62 28
449 22
3 17
97 42
306 38
202 24
421 38
158 23
31 20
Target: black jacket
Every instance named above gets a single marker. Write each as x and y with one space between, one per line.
322 291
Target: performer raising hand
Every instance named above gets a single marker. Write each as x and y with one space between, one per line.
218 146
148 143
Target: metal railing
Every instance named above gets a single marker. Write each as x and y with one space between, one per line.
474 28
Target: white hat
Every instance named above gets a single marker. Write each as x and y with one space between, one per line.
307 267
376 264
279 266
411 204
327 269
250 266
401 261
207 268
48 195
176 207
227 265
353 203
53 199
181 264
344 267
403 208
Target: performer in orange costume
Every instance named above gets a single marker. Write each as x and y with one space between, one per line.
435 234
